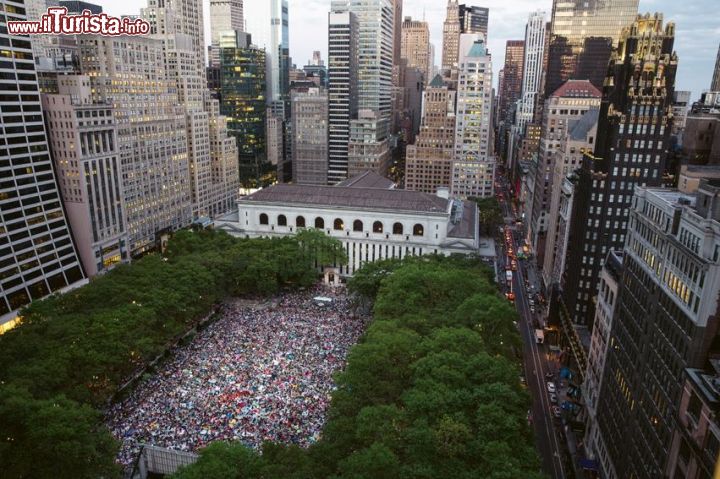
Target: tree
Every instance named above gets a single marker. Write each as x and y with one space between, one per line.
491 215
222 460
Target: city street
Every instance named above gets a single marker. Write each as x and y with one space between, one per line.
535 356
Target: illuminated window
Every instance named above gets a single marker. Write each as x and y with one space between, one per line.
377 227
338 224
418 230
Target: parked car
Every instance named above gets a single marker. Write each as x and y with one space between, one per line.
553 398
551 387
549 376
556 411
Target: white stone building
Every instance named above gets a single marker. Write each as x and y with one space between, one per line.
373 220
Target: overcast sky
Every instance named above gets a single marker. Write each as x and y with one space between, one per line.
696 40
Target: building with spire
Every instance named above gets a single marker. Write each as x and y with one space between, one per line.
715 84
451 37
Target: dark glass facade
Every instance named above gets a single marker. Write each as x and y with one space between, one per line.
243 89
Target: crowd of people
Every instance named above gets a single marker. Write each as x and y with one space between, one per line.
256 374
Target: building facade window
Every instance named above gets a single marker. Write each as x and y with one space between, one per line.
263 219
418 230
397 229
319 223
282 220
338 224
377 227
300 222
357 225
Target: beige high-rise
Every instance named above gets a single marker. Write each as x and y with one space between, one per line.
451 36
178 24
309 136
129 73
416 46
428 163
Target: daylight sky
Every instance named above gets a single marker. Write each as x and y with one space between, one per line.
696 40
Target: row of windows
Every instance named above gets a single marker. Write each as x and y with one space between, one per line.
339 225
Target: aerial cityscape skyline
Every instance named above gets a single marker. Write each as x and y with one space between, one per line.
696 32
438 249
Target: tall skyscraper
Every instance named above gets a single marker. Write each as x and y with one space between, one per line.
510 89
665 321
225 15
178 24
575 21
451 37
375 23
473 169
474 20
428 162
342 90
416 46
267 21
568 104
309 136
460 19
37 255
632 145
715 84
524 136
532 69
243 90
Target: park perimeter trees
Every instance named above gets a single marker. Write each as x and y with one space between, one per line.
432 391
71 353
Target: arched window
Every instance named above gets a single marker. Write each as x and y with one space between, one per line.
418 230
319 223
282 220
377 227
263 219
357 225
300 222
397 229
338 224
